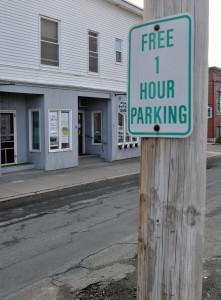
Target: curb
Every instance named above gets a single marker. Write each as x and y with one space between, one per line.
12 199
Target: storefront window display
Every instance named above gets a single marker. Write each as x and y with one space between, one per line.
59 130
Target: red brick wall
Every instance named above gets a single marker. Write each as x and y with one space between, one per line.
214 85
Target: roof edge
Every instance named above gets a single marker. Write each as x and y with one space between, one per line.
127 6
215 68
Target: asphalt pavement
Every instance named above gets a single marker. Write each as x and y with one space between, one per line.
91 169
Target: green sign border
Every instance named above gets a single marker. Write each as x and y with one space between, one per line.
190 66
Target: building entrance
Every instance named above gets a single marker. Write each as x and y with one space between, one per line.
81 133
8 145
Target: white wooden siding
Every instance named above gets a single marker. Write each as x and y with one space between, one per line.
20 42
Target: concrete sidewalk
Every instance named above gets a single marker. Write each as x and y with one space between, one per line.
91 169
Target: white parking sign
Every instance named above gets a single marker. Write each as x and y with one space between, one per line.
160 78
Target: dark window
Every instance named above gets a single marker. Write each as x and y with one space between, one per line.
97 127
219 101
118 49
35 130
49 43
93 52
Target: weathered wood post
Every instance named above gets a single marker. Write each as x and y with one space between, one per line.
173 183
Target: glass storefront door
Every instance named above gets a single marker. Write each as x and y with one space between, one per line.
7 121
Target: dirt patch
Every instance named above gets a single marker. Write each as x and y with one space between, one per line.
125 289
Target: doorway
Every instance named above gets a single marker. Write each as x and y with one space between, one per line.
81 134
8 137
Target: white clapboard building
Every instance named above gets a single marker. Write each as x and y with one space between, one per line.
63 81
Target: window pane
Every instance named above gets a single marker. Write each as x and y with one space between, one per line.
218 132
123 134
7 126
120 128
35 131
93 44
93 63
118 45
49 43
49 31
118 56
53 130
93 52
128 138
65 131
219 102
97 128
49 54
60 129
118 48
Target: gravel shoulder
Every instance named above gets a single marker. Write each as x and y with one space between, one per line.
125 289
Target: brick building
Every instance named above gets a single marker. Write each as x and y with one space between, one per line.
214 105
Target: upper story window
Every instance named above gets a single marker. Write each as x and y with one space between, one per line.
49 42
118 50
93 51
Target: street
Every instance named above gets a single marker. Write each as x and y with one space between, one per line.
42 240
61 242
212 247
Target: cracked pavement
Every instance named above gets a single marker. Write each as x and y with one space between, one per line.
74 243
106 265
59 243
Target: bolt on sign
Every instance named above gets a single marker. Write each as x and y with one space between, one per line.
160 78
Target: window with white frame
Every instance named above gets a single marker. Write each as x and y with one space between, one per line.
59 130
49 42
123 136
34 130
218 131
219 102
118 50
93 51
96 127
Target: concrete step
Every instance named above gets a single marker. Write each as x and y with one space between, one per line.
17 168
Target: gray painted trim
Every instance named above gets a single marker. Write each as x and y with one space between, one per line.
28 88
16 86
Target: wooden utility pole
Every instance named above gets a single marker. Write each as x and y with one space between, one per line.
173 183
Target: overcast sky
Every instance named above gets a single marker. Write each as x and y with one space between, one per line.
214 30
